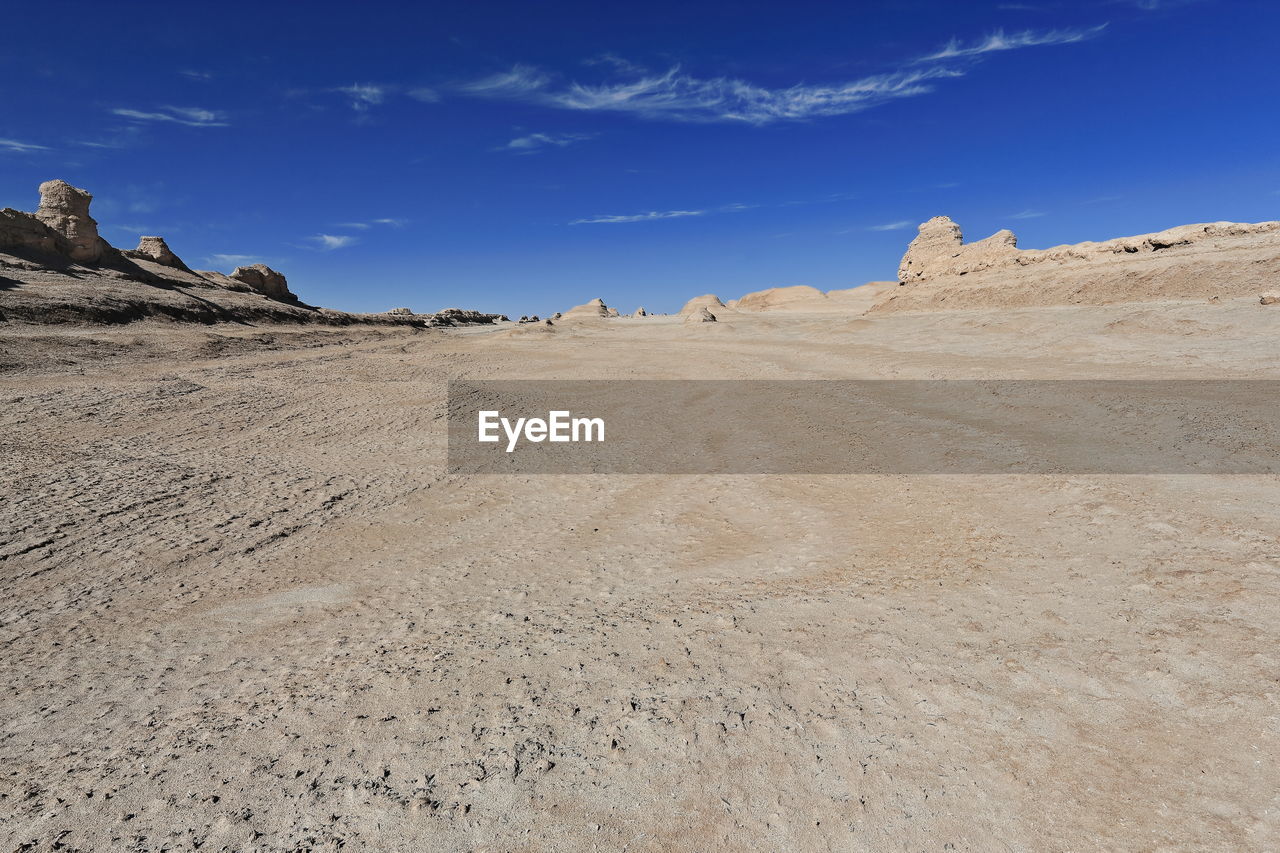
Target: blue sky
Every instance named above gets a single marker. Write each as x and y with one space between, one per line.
525 157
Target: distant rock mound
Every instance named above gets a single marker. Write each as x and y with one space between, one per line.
264 280
592 310
701 315
798 296
708 300
640 312
941 271
803 299
463 317
56 268
157 250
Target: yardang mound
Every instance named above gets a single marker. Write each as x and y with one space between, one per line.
1218 259
54 268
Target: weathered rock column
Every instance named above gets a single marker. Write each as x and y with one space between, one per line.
939 239
65 209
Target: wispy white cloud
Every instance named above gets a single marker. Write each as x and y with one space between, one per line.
189 116
520 80
332 241
676 95
362 96
736 207
1000 41
639 217
20 147
365 226
191 74
892 226
539 141
1027 214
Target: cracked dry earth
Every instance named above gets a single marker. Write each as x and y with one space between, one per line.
242 608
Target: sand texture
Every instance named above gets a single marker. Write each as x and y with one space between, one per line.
242 608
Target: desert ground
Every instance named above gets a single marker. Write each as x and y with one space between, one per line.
243 607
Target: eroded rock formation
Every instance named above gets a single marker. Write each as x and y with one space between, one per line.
60 225
589 310
1213 261
23 231
65 209
707 300
463 317
264 280
157 250
939 251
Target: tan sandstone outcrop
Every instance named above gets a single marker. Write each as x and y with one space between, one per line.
157 250
701 315
939 250
1207 260
708 300
264 280
1269 298
588 311
19 230
65 209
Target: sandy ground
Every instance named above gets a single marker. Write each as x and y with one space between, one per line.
243 608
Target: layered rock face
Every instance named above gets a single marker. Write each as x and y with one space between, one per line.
65 209
264 280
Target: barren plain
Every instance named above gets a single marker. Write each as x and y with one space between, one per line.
244 608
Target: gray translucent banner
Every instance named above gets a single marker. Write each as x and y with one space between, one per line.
866 427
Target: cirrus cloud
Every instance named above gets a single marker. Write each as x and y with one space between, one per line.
639 217
676 95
